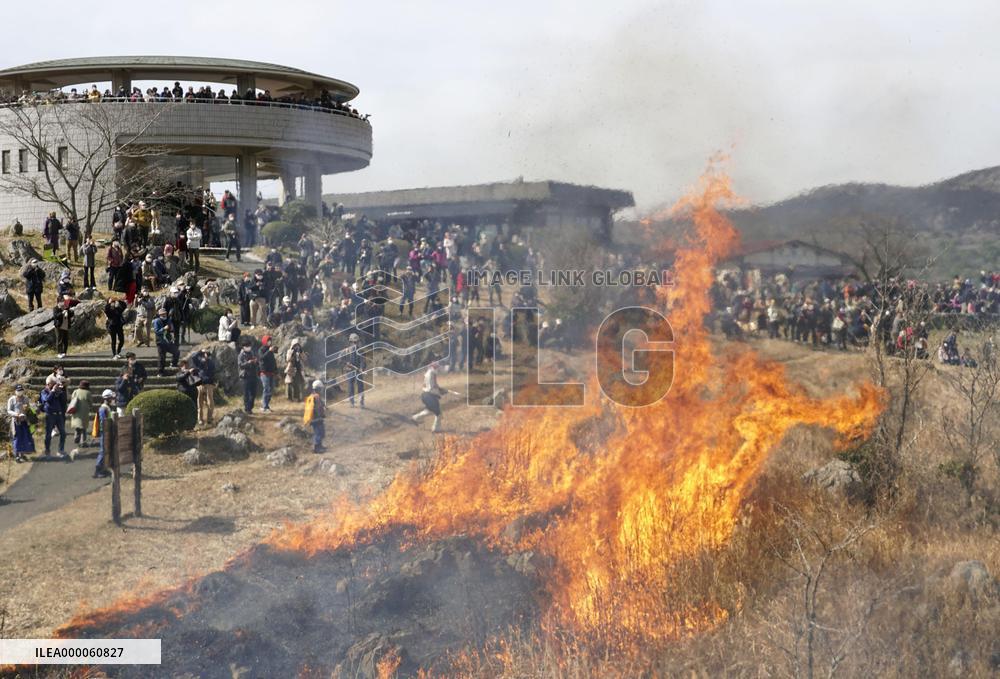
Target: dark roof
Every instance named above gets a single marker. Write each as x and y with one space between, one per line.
753 247
63 72
499 192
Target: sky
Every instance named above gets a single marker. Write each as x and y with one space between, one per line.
628 94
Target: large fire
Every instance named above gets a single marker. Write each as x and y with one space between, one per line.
610 527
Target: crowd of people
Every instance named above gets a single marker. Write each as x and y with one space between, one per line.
850 313
325 101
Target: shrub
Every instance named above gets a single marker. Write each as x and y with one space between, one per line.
206 320
297 212
280 234
165 412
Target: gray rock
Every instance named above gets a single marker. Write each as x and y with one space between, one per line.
36 337
836 477
234 421
20 252
230 487
32 319
9 308
282 457
324 466
53 271
195 458
974 578
87 317
17 369
226 373
234 446
293 427
314 347
229 289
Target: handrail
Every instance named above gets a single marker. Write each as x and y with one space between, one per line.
212 102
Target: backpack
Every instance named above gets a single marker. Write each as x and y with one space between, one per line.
307 415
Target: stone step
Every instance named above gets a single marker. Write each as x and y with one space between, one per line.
102 379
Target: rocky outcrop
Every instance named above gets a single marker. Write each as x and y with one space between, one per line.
973 578
19 252
282 457
229 289
227 375
315 348
36 328
195 458
10 310
836 477
234 422
293 427
17 369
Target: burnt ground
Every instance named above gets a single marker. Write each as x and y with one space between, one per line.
272 614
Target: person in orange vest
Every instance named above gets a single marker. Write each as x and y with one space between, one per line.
313 415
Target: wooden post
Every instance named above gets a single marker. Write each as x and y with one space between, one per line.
137 458
116 477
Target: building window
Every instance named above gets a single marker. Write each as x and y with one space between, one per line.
5 162
22 160
41 163
62 153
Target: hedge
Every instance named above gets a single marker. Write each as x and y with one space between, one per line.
281 234
297 212
165 411
204 321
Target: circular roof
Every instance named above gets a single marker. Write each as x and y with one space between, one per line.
278 79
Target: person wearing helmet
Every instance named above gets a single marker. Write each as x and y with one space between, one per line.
105 411
313 414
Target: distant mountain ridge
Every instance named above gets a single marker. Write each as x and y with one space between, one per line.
969 202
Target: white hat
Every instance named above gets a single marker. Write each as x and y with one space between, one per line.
107 393
318 384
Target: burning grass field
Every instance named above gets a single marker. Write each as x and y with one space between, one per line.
599 541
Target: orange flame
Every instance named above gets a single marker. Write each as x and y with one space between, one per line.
607 529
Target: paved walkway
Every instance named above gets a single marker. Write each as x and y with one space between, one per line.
50 484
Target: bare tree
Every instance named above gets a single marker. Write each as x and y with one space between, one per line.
821 622
971 428
87 157
898 352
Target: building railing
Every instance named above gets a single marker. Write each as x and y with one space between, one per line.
211 102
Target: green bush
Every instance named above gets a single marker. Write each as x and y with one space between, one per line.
206 320
165 412
297 212
281 234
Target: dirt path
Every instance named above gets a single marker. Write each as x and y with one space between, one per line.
50 484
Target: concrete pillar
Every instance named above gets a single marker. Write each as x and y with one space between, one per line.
247 182
287 192
244 82
314 187
120 78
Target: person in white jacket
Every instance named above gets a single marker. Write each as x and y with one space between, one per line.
229 328
194 245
